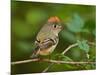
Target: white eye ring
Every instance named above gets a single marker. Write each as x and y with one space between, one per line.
54 25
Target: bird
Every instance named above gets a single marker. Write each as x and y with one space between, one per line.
47 38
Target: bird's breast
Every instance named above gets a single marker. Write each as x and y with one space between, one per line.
47 51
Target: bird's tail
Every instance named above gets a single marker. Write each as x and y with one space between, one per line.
34 55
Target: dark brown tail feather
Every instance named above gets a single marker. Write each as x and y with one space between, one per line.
34 55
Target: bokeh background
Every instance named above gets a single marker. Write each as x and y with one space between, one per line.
27 18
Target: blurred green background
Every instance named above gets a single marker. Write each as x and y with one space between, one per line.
27 18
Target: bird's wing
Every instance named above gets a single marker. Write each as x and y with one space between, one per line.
46 44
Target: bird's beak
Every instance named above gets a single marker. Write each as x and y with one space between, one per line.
61 27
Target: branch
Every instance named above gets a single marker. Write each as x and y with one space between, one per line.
46 69
74 45
71 46
50 61
24 61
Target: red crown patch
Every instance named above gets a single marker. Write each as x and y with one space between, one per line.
54 19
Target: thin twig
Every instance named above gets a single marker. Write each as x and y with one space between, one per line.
50 61
64 62
25 61
74 45
69 47
47 68
91 43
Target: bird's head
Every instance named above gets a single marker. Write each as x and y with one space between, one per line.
55 24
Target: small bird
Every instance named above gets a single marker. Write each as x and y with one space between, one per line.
47 38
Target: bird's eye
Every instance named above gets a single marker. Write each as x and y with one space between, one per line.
55 26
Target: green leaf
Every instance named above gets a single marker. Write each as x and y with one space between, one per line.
83 45
65 58
90 66
76 23
61 57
